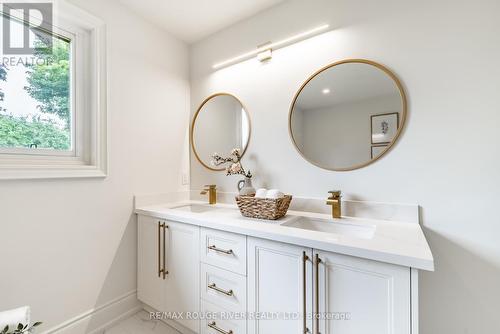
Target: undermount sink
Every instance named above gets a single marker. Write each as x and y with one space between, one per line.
196 208
327 226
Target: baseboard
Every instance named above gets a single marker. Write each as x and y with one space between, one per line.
99 319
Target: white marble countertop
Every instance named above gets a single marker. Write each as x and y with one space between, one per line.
398 243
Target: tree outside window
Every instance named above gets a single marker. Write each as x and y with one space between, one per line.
35 107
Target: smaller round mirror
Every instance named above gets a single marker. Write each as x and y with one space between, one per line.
220 124
347 115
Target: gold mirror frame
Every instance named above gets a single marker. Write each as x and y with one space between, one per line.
193 122
402 119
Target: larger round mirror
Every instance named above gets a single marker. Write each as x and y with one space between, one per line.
220 124
347 115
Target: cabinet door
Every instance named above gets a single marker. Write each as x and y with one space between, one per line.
362 296
150 284
182 284
279 287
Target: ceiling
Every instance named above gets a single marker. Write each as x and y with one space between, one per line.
192 20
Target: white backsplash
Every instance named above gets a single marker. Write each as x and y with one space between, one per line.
407 213
153 199
371 210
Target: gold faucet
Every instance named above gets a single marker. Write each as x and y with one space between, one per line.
334 201
211 189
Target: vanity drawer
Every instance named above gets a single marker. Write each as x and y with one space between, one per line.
224 250
223 288
221 321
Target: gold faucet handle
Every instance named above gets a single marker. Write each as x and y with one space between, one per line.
335 194
208 187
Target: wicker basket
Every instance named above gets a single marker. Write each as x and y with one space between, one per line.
263 208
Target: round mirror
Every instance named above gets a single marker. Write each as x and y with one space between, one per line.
220 124
347 115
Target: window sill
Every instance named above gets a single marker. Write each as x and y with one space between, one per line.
39 172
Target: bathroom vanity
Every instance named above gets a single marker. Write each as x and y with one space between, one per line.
230 274
307 272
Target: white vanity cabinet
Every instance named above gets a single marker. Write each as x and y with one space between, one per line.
355 295
280 287
175 249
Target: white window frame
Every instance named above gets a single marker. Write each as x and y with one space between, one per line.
88 156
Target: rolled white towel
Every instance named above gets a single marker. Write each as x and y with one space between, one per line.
274 194
261 193
14 317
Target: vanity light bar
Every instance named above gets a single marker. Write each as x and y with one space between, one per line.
272 46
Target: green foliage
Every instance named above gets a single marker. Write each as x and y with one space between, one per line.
3 72
49 84
49 81
3 77
19 132
20 329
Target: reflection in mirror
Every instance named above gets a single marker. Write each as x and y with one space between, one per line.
220 124
347 115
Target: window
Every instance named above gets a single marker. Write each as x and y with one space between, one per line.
52 93
35 108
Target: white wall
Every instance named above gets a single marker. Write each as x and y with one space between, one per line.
68 246
448 158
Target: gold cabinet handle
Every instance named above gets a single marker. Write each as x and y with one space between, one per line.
214 287
317 261
304 292
165 271
160 270
213 325
214 248
161 264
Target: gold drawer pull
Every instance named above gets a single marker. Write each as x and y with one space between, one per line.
213 325
214 287
214 248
